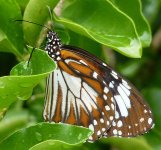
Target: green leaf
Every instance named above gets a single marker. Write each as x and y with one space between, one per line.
104 23
130 68
85 43
133 9
28 137
154 139
53 144
12 122
22 4
128 143
11 36
37 12
19 86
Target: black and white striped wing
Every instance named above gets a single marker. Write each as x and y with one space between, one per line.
77 94
87 92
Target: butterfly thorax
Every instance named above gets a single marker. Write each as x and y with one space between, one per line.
53 45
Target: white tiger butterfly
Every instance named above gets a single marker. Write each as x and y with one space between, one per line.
85 91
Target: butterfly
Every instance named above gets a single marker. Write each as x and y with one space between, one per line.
83 90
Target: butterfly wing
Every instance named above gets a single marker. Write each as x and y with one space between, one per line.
77 94
132 115
87 92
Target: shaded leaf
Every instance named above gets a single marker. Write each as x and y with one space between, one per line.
128 143
153 96
12 122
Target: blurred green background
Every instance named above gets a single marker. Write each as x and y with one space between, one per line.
144 72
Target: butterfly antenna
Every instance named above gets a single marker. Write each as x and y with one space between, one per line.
32 23
30 56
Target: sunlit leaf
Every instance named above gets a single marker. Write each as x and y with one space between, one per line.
104 23
135 13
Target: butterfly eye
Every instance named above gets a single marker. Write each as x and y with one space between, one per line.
85 91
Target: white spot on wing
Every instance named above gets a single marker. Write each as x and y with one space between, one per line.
108 123
74 83
119 132
121 105
141 119
111 117
71 60
114 131
98 132
55 95
114 74
95 122
57 53
126 84
111 85
114 123
105 97
91 127
48 97
71 99
107 107
90 138
124 97
63 86
106 90
95 75
103 129
58 58
88 101
112 106
104 64
145 111
119 123
80 104
116 115
150 120
101 120
127 91
81 61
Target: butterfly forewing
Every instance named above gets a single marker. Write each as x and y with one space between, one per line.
132 115
85 91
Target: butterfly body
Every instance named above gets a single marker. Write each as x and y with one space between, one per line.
85 91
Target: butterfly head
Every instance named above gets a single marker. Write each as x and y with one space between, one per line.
53 45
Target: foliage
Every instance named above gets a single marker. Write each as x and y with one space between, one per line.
93 25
